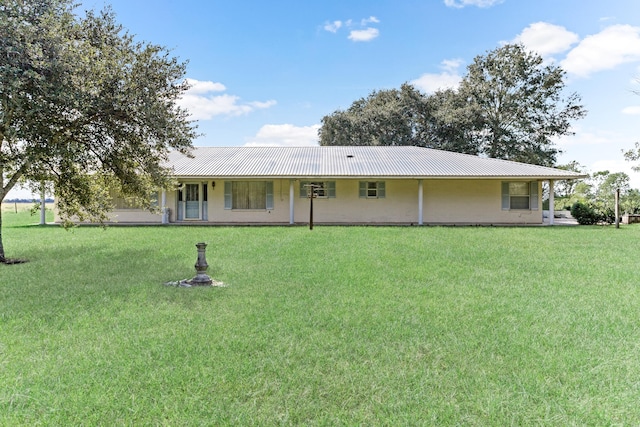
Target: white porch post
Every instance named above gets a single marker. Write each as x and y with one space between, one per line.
43 220
291 200
420 201
551 202
165 219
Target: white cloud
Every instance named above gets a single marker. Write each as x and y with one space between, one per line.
584 137
451 65
365 35
633 110
447 79
357 33
613 46
369 20
547 39
333 27
198 87
480 3
286 135
202 105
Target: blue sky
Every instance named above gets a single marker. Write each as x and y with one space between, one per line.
266 72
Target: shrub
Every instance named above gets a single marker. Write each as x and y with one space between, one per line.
608 215
584 214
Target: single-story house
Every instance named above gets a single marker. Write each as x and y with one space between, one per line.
351 185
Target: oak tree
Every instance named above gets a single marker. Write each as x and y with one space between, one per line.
403 117
509 105
85 108
522 104
386 117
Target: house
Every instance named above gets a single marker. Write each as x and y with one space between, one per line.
351 185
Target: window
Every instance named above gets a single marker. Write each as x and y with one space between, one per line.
520 195
248 195
324 189
372 189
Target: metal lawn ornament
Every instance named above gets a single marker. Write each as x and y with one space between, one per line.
312 193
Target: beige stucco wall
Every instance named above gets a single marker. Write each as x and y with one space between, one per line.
444 202
133 215
124 216
474 202
400 204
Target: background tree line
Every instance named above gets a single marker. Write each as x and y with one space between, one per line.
509 105
592 200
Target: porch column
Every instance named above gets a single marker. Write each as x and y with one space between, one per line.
43 217
420 201
163 209
551 202
291 200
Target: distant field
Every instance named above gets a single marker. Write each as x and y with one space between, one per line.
16 207
477 326
19 212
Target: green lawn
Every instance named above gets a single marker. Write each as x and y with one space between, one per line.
335 326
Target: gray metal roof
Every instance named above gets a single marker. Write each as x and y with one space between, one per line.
350 162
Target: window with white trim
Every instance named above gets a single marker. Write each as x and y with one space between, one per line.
248 195
372 189
520 195
323 189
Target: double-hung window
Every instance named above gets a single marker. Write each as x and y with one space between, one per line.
322 189
520 195
372 189
248 195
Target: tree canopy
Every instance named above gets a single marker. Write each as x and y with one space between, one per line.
510 105
85 108
389 117
402 117
521 104
633 155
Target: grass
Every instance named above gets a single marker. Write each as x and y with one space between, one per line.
335 326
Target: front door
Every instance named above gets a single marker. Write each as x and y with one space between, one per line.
192 201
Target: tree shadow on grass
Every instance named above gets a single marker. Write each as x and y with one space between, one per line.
12 261
32 225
